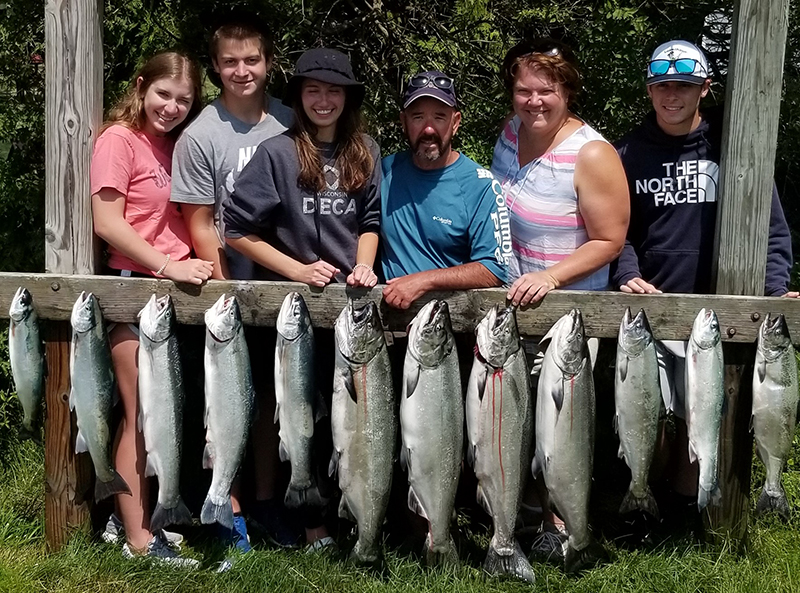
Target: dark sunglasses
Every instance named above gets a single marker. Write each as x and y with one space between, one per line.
682 66
422 80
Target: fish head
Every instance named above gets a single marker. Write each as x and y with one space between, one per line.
85 313
223 319
157 317
569 341
498 336
635 334
705 329
293 318
774 337
430 335
21 305
359 332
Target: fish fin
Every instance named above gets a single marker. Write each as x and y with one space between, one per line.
621 452
117 485
471 454
536 467
346 376
217 513
692 453
647 503
80 443
163 517
773 502
483 501
71 400
481 381
615 424
411 379
622 368
345 512
405 457
150 467
140 420
514 564
557 393
576 561
761 369
750 426
277 417
706 497
208 456
446 555
282 452
414 504
333 465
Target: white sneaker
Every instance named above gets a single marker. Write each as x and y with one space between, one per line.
115 533
159 550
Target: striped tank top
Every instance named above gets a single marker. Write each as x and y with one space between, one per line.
546 224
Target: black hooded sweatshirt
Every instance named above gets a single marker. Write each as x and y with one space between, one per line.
673 183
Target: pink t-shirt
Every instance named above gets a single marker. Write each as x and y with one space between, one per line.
139 166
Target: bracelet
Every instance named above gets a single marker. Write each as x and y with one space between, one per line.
163 266
369 267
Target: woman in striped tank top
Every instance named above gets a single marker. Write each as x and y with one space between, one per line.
564 184
568 204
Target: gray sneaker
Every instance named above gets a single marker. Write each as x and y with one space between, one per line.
115 533
160 551
550 545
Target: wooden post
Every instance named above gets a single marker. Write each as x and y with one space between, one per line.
750 133
73 113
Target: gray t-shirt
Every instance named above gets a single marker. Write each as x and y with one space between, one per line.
213 150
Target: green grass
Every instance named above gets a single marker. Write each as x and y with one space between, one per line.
772 562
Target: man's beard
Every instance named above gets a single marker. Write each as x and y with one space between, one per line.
432 153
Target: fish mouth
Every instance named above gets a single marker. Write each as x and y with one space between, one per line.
20 304
359 315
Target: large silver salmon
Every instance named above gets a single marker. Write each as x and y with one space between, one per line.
92 393
565 413
432 426
364 424
26 354
500 429
637 395
297 396
775 400
229 405
705 399
161 398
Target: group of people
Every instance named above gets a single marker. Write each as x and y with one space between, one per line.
253 188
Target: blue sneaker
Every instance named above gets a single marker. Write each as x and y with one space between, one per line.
237 539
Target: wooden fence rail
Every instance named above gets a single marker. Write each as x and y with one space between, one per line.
671 315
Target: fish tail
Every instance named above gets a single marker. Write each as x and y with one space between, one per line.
708 497
117 485
177 515
297 496
646 503
513 564
576 561
365 553
446 555
217 513
773 502
28 431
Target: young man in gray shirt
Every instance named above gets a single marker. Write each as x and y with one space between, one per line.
208 157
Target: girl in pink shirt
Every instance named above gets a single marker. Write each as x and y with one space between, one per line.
146 236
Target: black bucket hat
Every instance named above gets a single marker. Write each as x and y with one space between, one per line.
325 65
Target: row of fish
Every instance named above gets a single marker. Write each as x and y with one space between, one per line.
500 413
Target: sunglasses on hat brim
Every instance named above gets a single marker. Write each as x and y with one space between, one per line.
680 66
420 81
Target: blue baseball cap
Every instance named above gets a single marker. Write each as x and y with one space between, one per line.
434 84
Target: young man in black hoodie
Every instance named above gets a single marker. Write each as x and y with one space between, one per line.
672 162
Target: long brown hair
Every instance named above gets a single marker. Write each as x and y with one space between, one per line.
129 111
353 159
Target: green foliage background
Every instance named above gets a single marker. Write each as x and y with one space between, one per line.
387 40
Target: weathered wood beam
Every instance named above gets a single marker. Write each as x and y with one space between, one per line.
73 113
671 316
750 132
